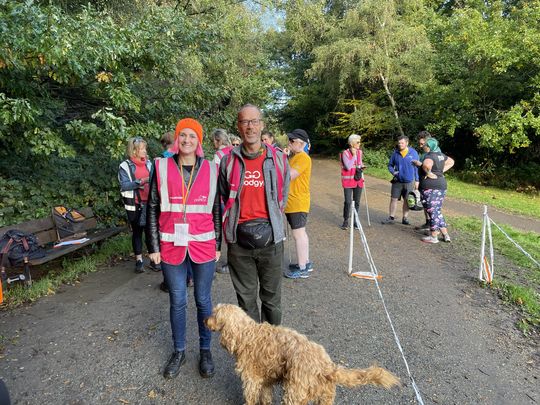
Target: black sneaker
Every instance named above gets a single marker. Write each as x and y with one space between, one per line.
155 267
173 365
164 287
223 269
206 364
345 225
139 266
405 221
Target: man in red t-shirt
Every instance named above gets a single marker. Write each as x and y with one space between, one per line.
254 183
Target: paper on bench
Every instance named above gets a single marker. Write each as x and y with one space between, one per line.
71 242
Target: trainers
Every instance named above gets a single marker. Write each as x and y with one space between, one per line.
405 221
294 266
164 287
345 225
296 274
430 239
139 266
223 269
446 238
173 365
206 364
155 267
387 221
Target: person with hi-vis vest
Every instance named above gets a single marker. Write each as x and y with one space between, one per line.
184 227
352 177
254 184
133 176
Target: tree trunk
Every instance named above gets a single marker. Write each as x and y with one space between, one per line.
392 102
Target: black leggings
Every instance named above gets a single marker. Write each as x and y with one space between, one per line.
350 195
137 233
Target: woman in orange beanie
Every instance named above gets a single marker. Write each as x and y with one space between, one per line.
184 228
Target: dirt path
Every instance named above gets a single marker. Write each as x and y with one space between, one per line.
106 339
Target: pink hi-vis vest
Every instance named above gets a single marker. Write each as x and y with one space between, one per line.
220 153
235 177
197 207
347 176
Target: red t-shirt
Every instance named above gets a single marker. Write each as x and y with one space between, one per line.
252 196
141 171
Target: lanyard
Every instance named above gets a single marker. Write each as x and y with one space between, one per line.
185 192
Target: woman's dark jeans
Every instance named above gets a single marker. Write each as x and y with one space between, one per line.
176 277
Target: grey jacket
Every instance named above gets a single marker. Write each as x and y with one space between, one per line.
275 209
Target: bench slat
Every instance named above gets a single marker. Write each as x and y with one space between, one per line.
37 225
54 253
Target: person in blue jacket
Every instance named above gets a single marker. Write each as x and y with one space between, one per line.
405 178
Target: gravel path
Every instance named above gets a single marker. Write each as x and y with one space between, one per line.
105 340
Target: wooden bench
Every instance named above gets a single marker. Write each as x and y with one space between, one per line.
45 231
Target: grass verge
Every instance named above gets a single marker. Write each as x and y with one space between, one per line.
516 278
70 271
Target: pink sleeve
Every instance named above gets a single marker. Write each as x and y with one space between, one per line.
347 161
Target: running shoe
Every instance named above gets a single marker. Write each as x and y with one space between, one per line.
446 238
294 266
405 221
296 274
430 239
387 221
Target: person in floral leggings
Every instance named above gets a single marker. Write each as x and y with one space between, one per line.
433 189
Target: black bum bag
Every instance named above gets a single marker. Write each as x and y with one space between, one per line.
255 234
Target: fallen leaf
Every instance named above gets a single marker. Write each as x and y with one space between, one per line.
124 401
152 394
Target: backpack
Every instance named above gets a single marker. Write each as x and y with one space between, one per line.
414 200
16 246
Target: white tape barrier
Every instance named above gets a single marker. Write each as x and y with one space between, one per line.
374 275
516 244
486 266
486 271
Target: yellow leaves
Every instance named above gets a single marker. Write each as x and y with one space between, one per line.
152 394
2 64
104 77
41 59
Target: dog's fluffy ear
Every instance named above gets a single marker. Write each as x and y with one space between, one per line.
213 322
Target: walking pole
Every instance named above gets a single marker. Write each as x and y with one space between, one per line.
351 237
365 198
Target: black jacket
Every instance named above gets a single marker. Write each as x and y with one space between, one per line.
153 211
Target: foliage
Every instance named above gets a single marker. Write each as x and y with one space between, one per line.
77 81
467 71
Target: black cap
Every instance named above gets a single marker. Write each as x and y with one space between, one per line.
299 134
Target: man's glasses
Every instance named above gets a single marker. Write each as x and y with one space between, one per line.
245 123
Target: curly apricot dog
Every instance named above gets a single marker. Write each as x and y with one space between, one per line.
267 354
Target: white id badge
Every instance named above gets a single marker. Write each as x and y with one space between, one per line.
181 234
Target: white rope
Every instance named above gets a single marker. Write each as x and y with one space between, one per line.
396 338
515 243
